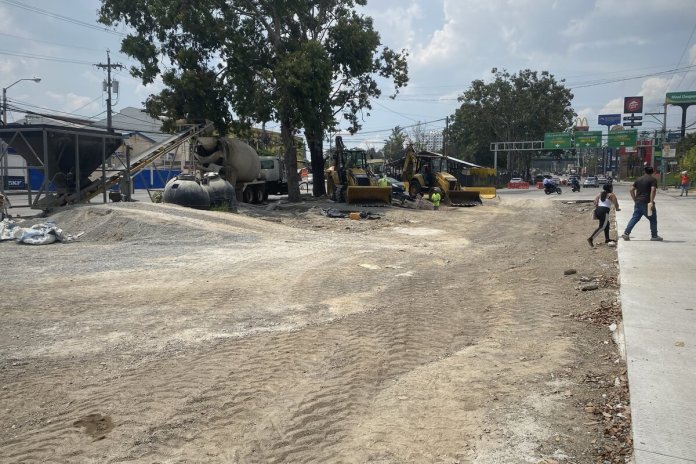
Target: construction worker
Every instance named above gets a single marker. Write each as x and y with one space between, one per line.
435 198
383 181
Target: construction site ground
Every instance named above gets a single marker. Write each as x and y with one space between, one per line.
278 334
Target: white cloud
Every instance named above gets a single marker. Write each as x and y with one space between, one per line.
444 44
71 102
396 24
614 106
653 90
144 91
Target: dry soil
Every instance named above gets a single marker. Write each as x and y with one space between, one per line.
167 334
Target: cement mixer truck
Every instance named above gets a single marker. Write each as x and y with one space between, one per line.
241 166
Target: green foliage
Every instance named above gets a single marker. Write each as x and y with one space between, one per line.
395 144
300 62
685 144
513 107
688 162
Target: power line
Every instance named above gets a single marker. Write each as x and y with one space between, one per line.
60 17
686 47
42 57
51 42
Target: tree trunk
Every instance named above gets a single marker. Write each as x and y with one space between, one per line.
315 142
286 133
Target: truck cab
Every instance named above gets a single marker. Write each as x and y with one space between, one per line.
273 171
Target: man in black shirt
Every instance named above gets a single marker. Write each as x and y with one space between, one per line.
643 193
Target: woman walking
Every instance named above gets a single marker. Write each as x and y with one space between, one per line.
603 203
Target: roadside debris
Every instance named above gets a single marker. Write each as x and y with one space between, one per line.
38 234
338 214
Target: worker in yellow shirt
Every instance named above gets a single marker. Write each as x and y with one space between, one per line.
383 181
435 198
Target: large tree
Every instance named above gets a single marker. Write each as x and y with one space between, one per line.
512 107
296 62
394 146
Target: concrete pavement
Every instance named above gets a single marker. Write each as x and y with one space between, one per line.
658 297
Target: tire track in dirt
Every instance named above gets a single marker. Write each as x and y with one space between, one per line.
299 396
376 346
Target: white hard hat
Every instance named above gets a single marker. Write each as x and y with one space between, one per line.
683 172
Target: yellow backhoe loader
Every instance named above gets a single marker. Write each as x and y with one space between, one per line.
349 178
425 170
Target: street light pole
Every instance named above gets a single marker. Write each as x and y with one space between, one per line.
4 95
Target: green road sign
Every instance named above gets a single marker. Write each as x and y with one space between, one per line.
676 98
618 139
557 141
589 139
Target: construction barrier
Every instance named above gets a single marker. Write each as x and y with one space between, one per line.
540 185
518 185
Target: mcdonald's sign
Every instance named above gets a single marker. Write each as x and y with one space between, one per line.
581 124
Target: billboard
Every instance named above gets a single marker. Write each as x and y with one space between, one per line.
618 139
557 141
633 105
609 119
589 139
677 98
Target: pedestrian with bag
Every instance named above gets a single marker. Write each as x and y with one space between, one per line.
643 192
603 203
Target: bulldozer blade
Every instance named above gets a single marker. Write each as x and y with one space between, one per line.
364 194
463 198
487 193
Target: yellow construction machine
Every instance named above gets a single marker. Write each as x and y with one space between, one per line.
426 170
349 178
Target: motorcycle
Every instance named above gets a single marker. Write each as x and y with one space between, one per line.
552 188
575 187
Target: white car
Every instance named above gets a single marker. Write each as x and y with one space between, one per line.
590 182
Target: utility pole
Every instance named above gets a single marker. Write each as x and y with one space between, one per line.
444 137
108 66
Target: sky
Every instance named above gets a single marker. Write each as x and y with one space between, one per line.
604 50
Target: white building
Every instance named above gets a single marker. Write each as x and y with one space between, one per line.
433 140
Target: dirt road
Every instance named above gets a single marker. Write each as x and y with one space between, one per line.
173 335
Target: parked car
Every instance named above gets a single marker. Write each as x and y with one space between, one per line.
590 182
396 186
515 180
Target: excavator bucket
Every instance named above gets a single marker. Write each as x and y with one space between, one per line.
487 193
368 194
463 198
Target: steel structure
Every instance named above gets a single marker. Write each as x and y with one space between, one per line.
69 156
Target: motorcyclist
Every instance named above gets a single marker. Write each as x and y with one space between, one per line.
575 183
548 183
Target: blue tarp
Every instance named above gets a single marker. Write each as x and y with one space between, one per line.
143 180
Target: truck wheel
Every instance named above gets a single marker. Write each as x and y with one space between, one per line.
258 194
247 195
414 188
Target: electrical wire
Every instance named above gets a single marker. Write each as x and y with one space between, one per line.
686 47
42 57
50 42
60 17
